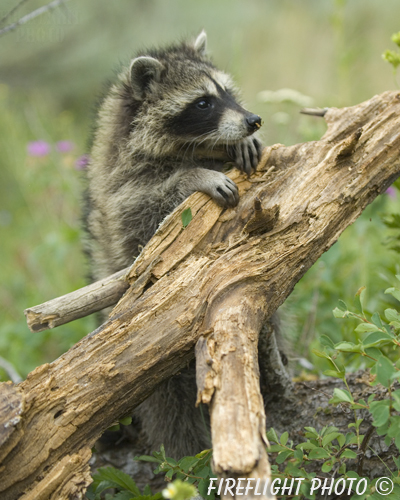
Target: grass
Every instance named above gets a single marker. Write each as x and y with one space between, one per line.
328 50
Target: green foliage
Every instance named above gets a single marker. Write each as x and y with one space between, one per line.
378 345
391 56
123 486
195 470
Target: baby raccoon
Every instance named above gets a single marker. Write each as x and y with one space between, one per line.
166 129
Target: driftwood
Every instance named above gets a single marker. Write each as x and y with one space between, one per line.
219 280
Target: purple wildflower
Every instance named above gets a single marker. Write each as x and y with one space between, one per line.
38 148
65 146
391 191
82 162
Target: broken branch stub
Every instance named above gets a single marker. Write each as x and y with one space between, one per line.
308 194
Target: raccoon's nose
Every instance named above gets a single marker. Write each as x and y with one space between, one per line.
254 122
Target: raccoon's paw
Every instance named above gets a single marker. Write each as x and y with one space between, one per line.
246 154
221 189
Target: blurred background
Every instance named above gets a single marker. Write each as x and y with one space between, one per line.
328 52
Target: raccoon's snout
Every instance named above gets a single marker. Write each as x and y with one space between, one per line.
253 123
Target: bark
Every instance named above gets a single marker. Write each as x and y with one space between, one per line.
219 278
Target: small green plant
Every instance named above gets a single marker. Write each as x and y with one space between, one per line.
378 343
391 56
195 470
125 488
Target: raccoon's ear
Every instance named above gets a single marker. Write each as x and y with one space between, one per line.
201 43
144 70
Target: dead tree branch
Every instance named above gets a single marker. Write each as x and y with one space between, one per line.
220 278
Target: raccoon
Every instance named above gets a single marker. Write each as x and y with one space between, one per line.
167 128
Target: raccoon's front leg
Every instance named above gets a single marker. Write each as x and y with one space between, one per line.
246 154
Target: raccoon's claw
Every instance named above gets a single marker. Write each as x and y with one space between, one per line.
221 189
246 154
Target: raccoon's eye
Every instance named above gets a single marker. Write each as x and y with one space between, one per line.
203 104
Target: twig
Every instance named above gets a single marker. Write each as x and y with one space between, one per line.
314 111
14 9
77 304
10 370
363 448
32 15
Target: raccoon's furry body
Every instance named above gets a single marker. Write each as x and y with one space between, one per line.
165 130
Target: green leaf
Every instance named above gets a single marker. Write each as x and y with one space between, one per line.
274 448
384 371
118 477
366 327
348 454
326 341
359 299
334 373
106 485
125 495
169 474
381 431
341 440
90 494
330 437
203 488
376 320
114 428
293 470
373 339
342 305
187 463
126 421
204 472
186 216
394 291
373 352
348 347
306 446
327 466
298 455
392 315
318 454
380 412
284 438
283 455
338 313
272 435
320 354
341 396
311 431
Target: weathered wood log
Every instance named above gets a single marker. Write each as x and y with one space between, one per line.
291 211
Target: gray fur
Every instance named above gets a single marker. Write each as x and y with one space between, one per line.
151 150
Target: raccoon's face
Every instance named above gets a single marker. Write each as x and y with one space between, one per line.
187 99
215 115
